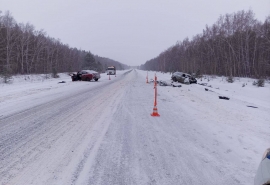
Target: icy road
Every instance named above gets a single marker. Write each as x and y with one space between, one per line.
101 133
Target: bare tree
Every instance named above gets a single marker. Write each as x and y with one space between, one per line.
236 45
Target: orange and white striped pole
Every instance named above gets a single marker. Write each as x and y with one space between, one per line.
147 77
155 111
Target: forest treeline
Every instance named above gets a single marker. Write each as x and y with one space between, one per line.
24 50
235 45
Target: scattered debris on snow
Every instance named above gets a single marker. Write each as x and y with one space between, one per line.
251 106
223 97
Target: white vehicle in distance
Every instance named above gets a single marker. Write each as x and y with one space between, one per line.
263 174
111 70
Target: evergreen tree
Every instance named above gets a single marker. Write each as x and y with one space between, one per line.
6 74
89 62
99 67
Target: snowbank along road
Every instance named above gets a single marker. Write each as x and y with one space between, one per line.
102 133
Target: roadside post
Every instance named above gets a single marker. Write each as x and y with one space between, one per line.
109 77
147 77
155 111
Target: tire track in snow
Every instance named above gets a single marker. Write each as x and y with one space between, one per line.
31 146
140 149
86 165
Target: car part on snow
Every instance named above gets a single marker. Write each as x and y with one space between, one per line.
203 84
163 83
263 173
251 106
208 90
224 97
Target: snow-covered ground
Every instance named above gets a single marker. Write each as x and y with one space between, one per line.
102 132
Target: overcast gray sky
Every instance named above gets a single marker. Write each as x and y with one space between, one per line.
130 32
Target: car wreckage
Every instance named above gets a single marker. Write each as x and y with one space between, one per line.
85 75
183 78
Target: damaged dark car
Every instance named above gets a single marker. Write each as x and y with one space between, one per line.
184 78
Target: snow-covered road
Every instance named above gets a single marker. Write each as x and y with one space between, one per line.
102 133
